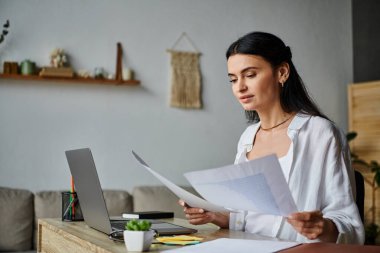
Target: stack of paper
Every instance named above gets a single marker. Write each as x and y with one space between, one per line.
258 185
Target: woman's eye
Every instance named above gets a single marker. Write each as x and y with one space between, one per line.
251 75
233 81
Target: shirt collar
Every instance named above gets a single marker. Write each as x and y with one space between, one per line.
299 120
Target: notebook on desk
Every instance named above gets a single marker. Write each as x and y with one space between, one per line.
91 199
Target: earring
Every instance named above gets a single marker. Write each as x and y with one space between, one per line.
282 84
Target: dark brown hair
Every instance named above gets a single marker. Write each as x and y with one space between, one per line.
294 96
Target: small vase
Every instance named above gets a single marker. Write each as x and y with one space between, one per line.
138 240
27 67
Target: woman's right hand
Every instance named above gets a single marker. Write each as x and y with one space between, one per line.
199 216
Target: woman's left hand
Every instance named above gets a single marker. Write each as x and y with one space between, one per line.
312 225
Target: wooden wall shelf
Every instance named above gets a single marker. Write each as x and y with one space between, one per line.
71 80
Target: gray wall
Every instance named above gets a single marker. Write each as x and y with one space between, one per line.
366 39
39 121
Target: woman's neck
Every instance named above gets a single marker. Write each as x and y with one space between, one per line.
274 118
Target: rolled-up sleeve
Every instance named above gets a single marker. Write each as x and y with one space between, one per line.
339 203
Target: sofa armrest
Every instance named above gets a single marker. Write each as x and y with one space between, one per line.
16 219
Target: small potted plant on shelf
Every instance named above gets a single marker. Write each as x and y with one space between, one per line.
137 235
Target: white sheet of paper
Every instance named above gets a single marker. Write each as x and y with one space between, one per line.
257 185
225 245
186 196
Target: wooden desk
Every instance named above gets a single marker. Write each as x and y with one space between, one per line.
332 248
57 236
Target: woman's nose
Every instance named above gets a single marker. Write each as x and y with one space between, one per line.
241 85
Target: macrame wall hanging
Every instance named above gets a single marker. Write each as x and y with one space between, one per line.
185 77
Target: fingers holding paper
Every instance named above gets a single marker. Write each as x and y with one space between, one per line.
199 216
312 225
309 224
196 216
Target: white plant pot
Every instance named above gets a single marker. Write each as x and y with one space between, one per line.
138 240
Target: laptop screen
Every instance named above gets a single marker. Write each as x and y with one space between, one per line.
91 199
87 186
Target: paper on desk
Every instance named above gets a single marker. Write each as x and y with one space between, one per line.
257 185
225 245
186 196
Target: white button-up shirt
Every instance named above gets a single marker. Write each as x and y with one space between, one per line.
320 178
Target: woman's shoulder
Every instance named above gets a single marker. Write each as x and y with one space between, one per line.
319 122
324 127
307 122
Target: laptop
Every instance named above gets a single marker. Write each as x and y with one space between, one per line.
91 199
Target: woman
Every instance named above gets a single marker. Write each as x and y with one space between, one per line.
312 152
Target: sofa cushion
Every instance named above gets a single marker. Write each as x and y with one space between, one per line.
47 204
158 198
16 219
118 202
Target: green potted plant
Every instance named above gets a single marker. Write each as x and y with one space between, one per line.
137 235
372 230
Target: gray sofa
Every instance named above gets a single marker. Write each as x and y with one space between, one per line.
20 209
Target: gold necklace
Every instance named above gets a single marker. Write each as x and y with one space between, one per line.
279 124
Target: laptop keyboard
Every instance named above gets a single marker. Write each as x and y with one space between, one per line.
118 225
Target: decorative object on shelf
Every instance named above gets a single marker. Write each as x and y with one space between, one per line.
100 73
121 74
185 77
4 32
57 72
28 67
59 65
14 68
84 73
128 74
7 67
10 68
119 63
58 58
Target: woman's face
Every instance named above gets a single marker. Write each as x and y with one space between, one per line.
253 81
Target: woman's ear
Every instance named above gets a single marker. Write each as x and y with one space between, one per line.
283 72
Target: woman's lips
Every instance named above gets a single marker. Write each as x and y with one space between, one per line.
246 98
